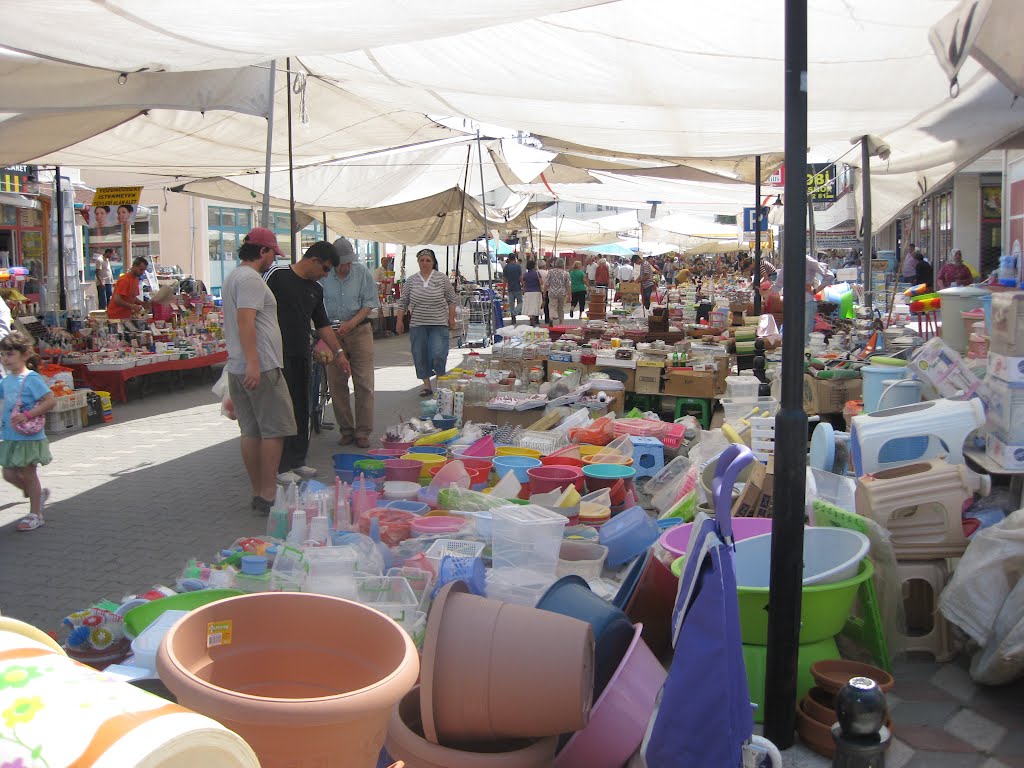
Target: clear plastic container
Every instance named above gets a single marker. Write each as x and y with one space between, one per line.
419 580
741 388
391 595
511 585
526 538
147 643
332 571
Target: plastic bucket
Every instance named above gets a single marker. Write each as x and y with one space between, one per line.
875 377
406 470
346 462
560 461
444 422
396 445
438 450
598 476
480 462
675 539
401 490
437 525
518 465
387 453
830 554
427 461
543 479
414 507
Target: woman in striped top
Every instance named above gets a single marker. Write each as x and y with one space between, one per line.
429 300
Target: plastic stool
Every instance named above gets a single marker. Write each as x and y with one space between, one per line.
643 402
648 456
867 628
685 405
921 584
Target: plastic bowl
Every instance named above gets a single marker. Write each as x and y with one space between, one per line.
627 535
830 555
387 453
438 450
598 476
401 490
518 465
561 461
619 717
411 506
346 462
613 632
824 608
543 479
137 619
427 461
675 539
511 450
395 524
480 462
396 445
608 458
444 422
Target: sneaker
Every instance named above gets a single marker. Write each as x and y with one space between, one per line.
261 505
362 442
346 440
305 472
30 522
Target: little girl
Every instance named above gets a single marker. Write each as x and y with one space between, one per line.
19 454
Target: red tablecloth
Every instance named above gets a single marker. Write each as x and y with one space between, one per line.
114 381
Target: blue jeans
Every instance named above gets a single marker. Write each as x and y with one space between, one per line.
515 303
429 349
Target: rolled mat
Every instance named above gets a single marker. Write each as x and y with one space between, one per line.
65 713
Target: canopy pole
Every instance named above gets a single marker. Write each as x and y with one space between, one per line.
291 168
62 301
324 220
483 201
787 547
462 210
812 232
865 221
265 212
757 234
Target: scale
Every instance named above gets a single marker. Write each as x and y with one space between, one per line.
33 326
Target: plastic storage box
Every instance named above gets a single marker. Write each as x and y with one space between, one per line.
526 538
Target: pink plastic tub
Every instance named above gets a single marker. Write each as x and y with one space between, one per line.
544 479
675 539
406 470
618 720
478 462
386 453
438 525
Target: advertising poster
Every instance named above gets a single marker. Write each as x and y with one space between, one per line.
1016 238
113 206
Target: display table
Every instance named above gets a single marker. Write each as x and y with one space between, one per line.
115 382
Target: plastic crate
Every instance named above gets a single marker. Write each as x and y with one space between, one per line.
64 421
455 548
545 442
74 401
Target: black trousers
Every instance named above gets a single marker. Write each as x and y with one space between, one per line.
580 298
296 374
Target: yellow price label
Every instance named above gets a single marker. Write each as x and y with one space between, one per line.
218 633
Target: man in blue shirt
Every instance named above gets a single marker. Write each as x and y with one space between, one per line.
513 281
350 295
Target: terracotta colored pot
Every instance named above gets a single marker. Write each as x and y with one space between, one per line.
303 678
834 674
405 742
820 706
495 670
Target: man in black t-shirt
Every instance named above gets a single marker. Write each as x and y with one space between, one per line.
300 305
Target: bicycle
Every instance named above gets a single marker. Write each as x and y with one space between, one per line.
319 394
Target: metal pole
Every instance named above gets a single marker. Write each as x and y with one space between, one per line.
462 210
265 213
291 170
62 299
791 422
483 201
812 233
757 235
865 221
324 220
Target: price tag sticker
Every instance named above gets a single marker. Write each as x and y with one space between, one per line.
218 633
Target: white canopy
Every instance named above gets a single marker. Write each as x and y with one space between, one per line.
561 232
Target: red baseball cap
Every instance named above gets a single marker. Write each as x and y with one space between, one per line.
264 238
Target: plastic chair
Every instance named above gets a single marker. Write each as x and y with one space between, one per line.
648 456
687 405
921 584
867 629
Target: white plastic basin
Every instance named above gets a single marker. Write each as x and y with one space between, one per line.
830 555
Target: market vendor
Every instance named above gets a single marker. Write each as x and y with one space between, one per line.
125 302
350 295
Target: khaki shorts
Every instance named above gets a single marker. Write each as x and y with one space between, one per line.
265 411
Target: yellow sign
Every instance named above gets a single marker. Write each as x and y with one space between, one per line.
218 633
117 196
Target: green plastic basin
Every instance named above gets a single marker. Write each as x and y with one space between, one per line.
137 619
824 609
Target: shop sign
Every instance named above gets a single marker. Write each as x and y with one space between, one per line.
821 182
777 179
835 239
112 206
748 219
13 178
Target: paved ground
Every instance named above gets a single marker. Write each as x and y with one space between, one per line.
133 500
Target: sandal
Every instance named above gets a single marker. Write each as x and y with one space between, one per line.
30 522
426 392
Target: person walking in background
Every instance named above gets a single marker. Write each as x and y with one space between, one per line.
513 274
646 275
26 399
924 274
300 302
533 299
350 295
954 272
591 270
559 289
427 307
256 384
602 274
542 268
104 277
578 278
909 264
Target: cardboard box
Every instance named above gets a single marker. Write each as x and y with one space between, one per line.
763 508
648 380
1009 457
483 414
687 383
554 368
626 375
746 504
829 395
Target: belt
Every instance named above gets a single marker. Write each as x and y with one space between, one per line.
364 321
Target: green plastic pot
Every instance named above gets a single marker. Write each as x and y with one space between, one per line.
137 619
755 660
824 609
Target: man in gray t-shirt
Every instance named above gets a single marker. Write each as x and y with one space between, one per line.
255 381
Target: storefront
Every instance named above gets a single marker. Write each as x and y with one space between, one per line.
23 212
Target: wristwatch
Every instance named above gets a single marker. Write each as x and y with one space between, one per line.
339 353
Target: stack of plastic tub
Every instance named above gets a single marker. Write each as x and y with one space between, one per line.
526 540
